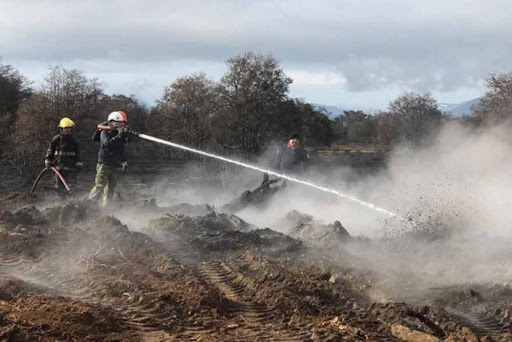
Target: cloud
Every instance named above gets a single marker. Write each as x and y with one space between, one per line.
436 46
316 78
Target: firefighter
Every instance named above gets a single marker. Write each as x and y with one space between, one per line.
64 153
292 158
111 156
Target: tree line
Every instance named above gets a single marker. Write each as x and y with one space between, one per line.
243 112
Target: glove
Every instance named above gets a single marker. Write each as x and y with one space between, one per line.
130 131
79 166
124 132
124 165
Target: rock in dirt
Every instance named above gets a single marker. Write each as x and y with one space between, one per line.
320 234
409 335
464 335
296 218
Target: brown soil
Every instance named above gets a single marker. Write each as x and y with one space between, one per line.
70 272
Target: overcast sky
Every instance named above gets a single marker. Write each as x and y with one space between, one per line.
348 53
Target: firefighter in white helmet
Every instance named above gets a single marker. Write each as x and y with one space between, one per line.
64 153
111 155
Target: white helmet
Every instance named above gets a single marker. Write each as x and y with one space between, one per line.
117 116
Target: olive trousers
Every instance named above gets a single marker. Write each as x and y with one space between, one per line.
105 183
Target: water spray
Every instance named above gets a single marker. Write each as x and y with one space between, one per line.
270 172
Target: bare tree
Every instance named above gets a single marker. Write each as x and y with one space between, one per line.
13 89
415 116
252 91
297 116
189 105
70 92
496 105
65 93
385 129
316 127
355 127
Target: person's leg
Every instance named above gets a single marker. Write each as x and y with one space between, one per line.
110 183
67 175
100 182
111 188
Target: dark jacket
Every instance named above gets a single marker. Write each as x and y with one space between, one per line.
111 148
64 152
291 160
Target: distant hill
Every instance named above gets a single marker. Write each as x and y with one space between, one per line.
331 111
459 109
454 109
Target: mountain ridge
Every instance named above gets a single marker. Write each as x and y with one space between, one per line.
454 109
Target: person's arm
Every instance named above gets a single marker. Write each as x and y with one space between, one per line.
106 140
305 159
278 159
50 153
123 156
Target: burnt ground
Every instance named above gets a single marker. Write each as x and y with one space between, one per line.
71 271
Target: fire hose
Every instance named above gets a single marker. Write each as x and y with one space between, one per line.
270 172
38 178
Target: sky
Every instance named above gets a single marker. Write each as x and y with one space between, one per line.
354 54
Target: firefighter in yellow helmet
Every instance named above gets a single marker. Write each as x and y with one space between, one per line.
64 153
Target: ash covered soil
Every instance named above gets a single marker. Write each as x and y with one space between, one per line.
71 271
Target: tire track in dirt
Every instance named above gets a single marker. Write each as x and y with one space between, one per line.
258 318
480 323
141 317
153 336
50 275
12 260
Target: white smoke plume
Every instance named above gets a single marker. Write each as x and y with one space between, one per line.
455 191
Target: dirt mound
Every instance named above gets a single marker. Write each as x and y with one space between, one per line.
64 214
192 227
218 233
11 287
188 209
26 216
14 201
68 273
313 232
71 212
46 318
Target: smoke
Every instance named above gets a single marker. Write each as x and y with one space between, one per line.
270 171
455 192
460 181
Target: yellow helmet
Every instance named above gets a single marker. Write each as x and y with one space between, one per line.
66 123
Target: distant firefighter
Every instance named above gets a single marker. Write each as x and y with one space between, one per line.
291 158
64 153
